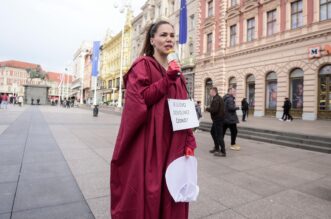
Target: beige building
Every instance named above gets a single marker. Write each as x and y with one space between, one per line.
268 50
154 10
110 62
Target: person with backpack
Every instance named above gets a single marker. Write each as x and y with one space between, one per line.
244 109
286 113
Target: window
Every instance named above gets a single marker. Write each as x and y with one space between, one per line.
233 83
325 89
209 42
325 9
250 29
233 3
296 14
250 90
233 35
191 48
296 88
210 8
271 22
271 91
192 22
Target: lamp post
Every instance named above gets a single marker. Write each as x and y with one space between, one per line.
123 9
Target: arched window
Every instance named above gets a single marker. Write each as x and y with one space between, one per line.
271 91
325 90
232 82
208 86
250 90
296 88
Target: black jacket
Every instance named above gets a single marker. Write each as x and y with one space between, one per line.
287 105
216 108
230 110
244 105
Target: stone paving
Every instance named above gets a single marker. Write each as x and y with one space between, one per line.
54 163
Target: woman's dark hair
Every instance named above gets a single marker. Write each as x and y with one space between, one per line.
148 48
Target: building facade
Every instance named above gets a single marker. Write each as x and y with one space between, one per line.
267 50
110 62
78 70
60 85
154 10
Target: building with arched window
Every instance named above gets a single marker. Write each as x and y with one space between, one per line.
267 50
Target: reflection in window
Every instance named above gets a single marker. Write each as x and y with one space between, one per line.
296 88
325 9
210 8
325 88
233 82
271 91
250 93
296 14
233 35
250 29
271 22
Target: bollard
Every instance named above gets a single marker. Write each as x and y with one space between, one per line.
95 110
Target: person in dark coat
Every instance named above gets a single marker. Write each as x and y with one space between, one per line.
244 109
198 109
286 111
216 110
231 118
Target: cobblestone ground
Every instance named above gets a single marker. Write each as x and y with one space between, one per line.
54 163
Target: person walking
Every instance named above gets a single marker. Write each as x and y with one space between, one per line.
4 101
198 110
216 110
231 118
286 111
32 100
244 109
146 143
20 101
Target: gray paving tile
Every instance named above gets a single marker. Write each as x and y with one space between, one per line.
94 185
9 173
267 208
100 207
227 194
205 206
79 154
43 192
42 147
227 214
66 211
4 216
285 175
308 204
46 156
320 188
81 167
7 192
9 157
42 170
253 183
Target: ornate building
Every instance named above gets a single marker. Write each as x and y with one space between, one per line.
267 50
110 61
154 10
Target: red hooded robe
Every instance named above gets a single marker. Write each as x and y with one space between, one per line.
146 145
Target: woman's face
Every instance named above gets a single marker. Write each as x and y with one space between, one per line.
164 39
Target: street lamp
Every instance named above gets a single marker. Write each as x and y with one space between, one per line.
126 5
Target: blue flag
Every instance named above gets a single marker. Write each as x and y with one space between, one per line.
95 58
183 22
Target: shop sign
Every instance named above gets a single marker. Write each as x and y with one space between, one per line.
317 51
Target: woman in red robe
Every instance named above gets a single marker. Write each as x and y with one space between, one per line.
146 143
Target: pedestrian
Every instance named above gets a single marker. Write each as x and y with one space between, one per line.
244 109
216 110
231 118
286 111
198 110
38 101
0 100
146 143
20 101
32 101
4 101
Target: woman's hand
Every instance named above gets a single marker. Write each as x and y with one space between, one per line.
173 70
189 152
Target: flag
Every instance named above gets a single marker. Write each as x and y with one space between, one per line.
95 58
183 22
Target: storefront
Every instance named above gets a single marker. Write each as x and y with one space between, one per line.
324 108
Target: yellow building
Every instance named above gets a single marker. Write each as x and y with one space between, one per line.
110 61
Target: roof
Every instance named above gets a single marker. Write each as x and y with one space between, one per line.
18 64
56 76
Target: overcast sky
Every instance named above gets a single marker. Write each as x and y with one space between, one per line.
48 32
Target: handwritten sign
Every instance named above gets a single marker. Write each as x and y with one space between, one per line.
183 114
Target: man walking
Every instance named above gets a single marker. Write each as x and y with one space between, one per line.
4 101
216 110
286 113
244 109
231 118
